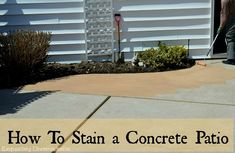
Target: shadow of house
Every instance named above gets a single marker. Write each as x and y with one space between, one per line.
12 100
11 12
12 15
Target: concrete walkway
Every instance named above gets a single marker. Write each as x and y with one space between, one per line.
199 92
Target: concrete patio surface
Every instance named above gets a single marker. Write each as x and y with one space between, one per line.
195 92
198 92
122 107
140 85
47 105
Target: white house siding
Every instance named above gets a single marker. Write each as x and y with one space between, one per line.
145 22
172 21
63 18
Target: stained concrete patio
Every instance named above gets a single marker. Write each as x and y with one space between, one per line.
141 85
199 92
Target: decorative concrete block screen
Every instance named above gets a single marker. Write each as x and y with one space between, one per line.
99 29
145 22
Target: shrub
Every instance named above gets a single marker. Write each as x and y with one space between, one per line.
164 56
23 52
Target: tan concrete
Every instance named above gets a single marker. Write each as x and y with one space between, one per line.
138 85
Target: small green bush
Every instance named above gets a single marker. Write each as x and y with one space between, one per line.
23 52
164 56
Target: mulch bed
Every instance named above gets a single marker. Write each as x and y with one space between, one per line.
56 70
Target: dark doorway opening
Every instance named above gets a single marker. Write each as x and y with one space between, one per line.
220 45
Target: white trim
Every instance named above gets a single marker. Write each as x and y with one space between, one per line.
85 27
212 24
112 18
200 57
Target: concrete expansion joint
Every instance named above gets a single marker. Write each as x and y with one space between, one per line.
197 102
80 125
98 107
181 101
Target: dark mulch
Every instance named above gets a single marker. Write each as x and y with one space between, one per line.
56 70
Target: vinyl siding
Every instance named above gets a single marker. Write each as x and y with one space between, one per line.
63 18
171 21
144 23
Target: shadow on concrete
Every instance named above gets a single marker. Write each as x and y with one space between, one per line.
11 100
